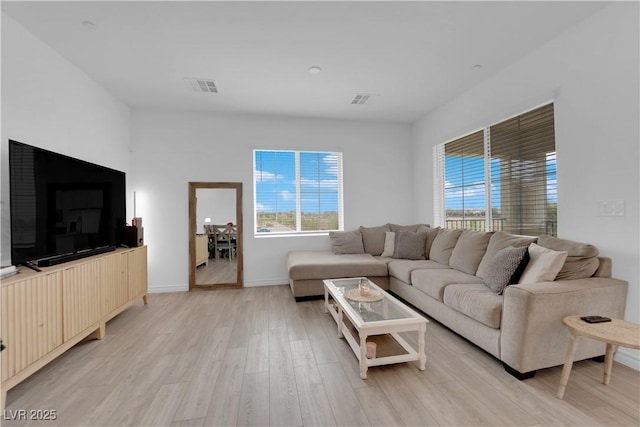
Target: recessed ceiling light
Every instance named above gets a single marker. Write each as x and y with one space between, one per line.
477 66
88 24
315 70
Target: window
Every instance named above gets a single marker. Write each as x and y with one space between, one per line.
465 185
297 191
517 157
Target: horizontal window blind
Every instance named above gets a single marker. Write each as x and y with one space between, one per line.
517 158
320 188
297 191
275 190
523 172
465 184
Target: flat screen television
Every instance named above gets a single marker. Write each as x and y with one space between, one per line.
62 207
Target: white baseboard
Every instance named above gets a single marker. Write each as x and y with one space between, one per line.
628 357
160 289
267 282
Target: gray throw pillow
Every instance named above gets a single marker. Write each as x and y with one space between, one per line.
500 240
409 245
346 242
505 265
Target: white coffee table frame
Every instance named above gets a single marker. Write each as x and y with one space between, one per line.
411 321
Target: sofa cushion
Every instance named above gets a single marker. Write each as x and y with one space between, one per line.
543 266
582 259
346 242
401 268
326 265
500 240
443 245
373 239
504 266
431 236
475 301
469 250
433 281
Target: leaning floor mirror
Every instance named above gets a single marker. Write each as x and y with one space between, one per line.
215 235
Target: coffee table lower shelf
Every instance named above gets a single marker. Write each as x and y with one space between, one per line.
391 347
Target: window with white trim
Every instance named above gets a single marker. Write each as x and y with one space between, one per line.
297 192
509 167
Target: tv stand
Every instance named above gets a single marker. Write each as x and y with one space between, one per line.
45 314
59 259
31 265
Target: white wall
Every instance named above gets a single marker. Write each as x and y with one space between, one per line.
218 204
592 73
49 103
173 148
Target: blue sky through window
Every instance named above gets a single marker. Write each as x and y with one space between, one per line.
275 181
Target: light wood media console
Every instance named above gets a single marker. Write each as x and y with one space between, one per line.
43 314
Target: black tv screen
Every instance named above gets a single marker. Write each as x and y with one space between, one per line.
61 205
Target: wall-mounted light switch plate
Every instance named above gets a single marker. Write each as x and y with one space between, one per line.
610 207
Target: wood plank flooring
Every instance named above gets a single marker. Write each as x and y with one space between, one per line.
255 357
217 271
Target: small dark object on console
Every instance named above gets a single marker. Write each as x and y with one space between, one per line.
595 319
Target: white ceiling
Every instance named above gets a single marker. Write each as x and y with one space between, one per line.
415 55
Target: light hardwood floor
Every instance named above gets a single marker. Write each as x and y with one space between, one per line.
254 356
217 271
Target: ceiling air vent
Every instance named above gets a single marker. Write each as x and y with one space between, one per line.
202 85
364 99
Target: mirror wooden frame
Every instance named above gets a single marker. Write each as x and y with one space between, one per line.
193 186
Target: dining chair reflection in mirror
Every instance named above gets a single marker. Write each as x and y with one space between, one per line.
224 239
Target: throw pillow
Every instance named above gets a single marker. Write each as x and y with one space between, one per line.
409 244
405 244
504 266
499 240
469 250
443 245
389 243
373 239
544 265
346 242
582 259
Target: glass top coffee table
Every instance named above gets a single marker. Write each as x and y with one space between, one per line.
372 329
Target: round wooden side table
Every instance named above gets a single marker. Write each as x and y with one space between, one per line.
615 333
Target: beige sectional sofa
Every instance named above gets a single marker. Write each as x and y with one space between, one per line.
463 279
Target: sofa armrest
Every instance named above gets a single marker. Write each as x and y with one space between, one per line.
532 334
